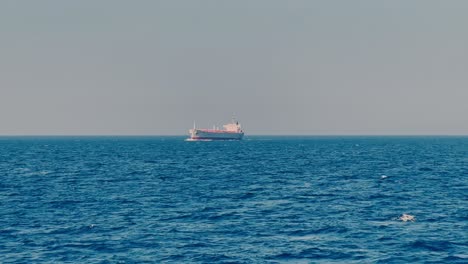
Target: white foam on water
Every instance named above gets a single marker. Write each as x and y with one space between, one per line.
407 217
304 238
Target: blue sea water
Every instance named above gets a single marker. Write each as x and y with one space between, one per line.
260 200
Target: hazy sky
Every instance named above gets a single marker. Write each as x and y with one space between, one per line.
281 67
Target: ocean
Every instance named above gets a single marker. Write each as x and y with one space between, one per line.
260 200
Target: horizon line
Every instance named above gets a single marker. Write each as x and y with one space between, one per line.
251 135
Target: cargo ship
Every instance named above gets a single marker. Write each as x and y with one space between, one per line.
231 131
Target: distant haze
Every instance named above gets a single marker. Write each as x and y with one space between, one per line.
111 67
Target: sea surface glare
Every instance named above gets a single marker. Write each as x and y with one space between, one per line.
260 200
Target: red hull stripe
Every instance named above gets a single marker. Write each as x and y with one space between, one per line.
210 138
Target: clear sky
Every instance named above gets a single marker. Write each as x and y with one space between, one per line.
281 67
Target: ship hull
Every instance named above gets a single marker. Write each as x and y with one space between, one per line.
199 134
